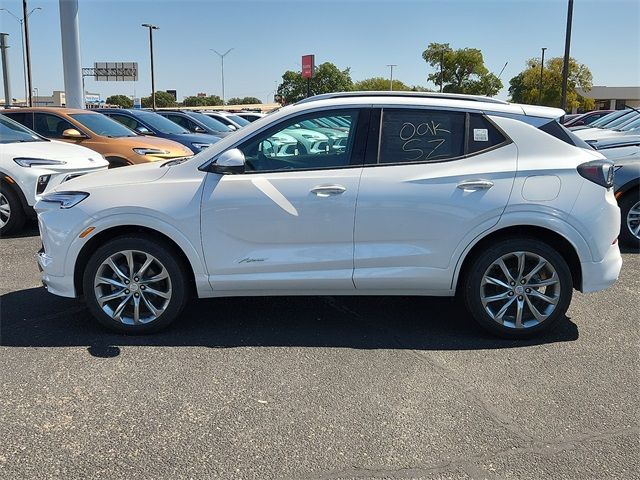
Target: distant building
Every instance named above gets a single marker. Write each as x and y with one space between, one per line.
613 98
56 99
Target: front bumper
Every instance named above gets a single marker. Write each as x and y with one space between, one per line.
62 286
600 275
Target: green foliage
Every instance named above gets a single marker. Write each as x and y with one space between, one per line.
243 101
378 84
121 100
463 70
327 78
211 100
163 99
525 87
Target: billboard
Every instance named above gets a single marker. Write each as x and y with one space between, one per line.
308 62
115 71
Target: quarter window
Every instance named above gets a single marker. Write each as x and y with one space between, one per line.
302 143
482 134
421 135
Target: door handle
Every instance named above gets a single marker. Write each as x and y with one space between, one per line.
327 190
475 185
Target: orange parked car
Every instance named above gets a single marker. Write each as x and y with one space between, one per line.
117 143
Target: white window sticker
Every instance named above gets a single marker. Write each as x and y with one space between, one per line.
480 135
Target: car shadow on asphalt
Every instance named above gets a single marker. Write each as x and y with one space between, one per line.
35 318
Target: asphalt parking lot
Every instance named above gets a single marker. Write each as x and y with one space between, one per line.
315 388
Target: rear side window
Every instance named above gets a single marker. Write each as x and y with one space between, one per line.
25 118
554 129
421 135
482 134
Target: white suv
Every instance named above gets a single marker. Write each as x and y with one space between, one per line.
30 166
432 195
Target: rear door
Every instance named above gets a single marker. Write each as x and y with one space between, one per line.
439 179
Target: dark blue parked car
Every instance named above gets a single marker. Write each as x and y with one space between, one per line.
150 123
196 122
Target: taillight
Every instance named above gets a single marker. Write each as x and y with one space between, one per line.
598 171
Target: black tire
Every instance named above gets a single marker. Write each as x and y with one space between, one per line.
177 274
17 217
628 201
472 288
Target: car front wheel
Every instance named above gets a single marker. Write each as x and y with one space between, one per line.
12 216
135 285
518 288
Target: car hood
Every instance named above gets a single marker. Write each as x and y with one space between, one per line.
141 173
75 156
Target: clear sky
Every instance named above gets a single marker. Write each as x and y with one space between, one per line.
269 37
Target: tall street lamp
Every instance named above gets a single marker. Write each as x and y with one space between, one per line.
391 78
24 54
222 55
153 80
541 72
567 49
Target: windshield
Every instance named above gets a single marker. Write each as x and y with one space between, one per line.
622 121
608 118
210 122
161 124
630 125
13 132
239 120
103 125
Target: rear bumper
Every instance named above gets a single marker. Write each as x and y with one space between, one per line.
600 275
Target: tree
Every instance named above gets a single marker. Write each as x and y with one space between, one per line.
327 78
163 99
378 84
525 87
211 100
243 101
120 100
463 70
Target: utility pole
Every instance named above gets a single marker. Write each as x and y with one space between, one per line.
24 59
72 67
25 18
222 55
541 72
6 78
391 78
153 80
441 74
567 49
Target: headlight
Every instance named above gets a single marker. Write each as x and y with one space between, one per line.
150 151
201 146
36 162
65 199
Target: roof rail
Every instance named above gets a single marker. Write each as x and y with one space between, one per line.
444 96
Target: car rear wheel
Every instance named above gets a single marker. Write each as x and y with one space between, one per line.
12 215
518 288
630 225
135 285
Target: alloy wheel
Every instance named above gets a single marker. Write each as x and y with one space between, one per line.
520 290
5 210
132 287
633 220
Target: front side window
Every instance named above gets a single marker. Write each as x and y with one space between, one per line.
296 144
421 135
50 126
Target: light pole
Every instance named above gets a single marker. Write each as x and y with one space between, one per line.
541 72
567 48
441 73
37 95
391 65
153 80
24 55
222 55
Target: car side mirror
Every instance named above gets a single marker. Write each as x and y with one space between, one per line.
144 131
198 129
578 123
229 162
72 133
233 128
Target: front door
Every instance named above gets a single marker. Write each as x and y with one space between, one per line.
286 223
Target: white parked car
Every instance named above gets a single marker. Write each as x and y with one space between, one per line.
30 166
433 195
231 120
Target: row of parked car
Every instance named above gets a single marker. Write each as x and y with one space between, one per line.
616 134
43 147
